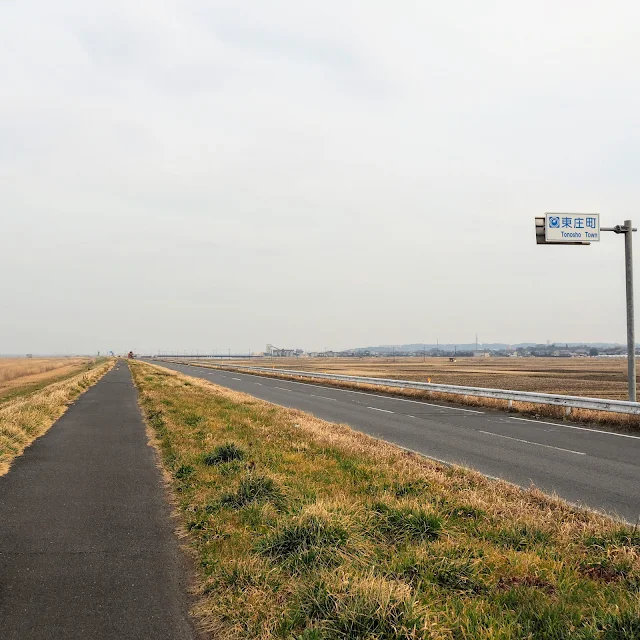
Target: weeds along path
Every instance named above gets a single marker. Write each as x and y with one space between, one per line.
87 544
307 529
25 418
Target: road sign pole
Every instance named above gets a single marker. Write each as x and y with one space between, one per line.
631 329
549 230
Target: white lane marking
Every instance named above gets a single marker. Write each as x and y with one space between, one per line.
538 444
374 395
238 379
313 395
412 417
569 426
282 388
259 384
376 409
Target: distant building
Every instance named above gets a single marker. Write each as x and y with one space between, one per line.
275 352
481 354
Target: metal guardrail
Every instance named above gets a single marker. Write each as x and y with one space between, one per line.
568 402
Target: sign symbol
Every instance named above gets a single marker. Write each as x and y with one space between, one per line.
554 222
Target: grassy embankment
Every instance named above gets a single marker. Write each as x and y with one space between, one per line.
616 421
19 376
29 415
306 529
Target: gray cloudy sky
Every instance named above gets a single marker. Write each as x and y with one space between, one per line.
225 174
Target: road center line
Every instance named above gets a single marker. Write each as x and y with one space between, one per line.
376 409
313 395
569 426
238 379
282 388
538 444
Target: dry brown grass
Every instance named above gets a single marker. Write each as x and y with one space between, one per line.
318 531
12 368
591 377
17 373
24 419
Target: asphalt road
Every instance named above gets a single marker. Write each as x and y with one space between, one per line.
597 469
87 548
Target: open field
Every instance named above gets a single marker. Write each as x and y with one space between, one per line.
593 377
21 375
24 418
307 529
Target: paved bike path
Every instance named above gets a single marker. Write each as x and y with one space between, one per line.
87 547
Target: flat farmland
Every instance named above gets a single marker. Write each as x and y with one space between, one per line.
24 374
593 377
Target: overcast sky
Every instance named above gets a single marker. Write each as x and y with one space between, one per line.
213 175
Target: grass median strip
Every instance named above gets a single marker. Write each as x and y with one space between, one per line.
25 418
306 529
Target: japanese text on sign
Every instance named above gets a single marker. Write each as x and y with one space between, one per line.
572 227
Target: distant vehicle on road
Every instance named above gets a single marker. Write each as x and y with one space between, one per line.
131 355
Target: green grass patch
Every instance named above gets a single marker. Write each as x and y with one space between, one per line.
254 488
305 544
401 524
307 530
224 453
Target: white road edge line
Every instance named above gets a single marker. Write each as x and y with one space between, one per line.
538 444
569 426
383 410
372 395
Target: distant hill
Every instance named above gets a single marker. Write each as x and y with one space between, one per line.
483 346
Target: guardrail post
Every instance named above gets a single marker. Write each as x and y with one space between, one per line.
567 411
